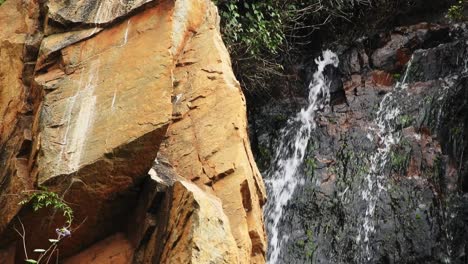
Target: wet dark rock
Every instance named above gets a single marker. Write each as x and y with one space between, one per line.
337 92
444 60
397 50
421 215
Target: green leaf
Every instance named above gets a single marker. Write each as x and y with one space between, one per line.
31 261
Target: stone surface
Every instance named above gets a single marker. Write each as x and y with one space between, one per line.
110 80
7 256
56 42
208 142
15 120
420 213
197 230
401 43
90 11
112 250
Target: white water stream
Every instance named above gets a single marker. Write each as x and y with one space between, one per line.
375 180
283 177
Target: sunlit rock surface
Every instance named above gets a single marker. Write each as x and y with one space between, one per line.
111 84
17 57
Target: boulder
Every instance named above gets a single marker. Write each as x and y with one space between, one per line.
208 142
197 230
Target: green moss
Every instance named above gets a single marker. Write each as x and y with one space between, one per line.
264 152
280 118
418 216
405 121
311 165
310 246
456 131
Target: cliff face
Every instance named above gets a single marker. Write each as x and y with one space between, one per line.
96 93
384 175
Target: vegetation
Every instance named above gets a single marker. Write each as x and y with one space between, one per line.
404 121
42 199
261 34
2 1
400 157
455 12
264 36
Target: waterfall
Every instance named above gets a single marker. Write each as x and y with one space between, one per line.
283 176
375 180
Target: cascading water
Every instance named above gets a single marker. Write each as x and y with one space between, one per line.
283 176
375 180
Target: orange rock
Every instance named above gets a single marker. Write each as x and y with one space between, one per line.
209 144
15 122
112 250
199 231
382 78
111 95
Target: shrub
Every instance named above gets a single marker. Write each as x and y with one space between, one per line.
41 199
253 28
44 198
264 37
455 12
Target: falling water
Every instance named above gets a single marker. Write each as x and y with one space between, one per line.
375 179
283 177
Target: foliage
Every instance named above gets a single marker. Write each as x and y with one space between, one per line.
44 198
256 26
404 121
266 37
2 1
310 246
41 199
455 12
400 157
259 28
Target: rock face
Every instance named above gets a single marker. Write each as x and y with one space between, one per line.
115 249
384 179
17 58
113 85
208 101
197 231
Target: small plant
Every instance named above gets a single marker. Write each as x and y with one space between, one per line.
41 199
455 12
310 247
405 121
418 216
399 161
44 198
257 26
311 166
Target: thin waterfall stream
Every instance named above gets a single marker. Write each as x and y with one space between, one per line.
375 179
283 176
